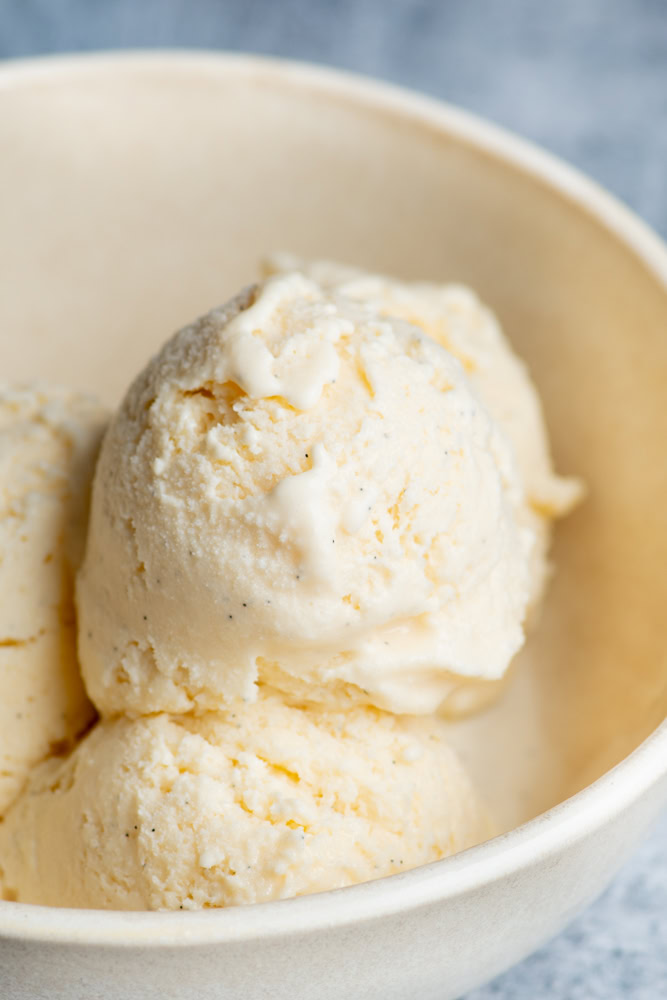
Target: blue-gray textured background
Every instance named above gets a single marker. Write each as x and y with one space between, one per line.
584 78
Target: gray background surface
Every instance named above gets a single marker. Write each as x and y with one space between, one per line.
587 79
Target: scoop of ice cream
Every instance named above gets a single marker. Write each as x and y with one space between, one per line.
301 492
265 802
49 438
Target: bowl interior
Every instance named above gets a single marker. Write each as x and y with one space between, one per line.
136 194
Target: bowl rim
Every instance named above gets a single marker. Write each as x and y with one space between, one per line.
570 820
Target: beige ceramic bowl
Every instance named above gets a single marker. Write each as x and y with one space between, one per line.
136 191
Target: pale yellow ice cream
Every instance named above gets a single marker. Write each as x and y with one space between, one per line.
301 492
265 802
320 515
49 439
454 317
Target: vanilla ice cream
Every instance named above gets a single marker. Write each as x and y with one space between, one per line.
264 802
454 317
302 492
320 515
49 439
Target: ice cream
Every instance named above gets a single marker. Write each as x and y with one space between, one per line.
48 442
454 317
319 517
301 492
265 802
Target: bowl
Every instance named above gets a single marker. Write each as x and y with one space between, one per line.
138 190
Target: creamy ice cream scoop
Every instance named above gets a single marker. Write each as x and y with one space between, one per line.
300 491
263 802
453 316
49 439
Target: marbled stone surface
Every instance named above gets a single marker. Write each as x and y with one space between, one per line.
586 79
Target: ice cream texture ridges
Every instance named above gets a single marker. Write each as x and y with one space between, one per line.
48 443
454 317
301 492
264 802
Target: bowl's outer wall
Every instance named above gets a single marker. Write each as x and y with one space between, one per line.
135 193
